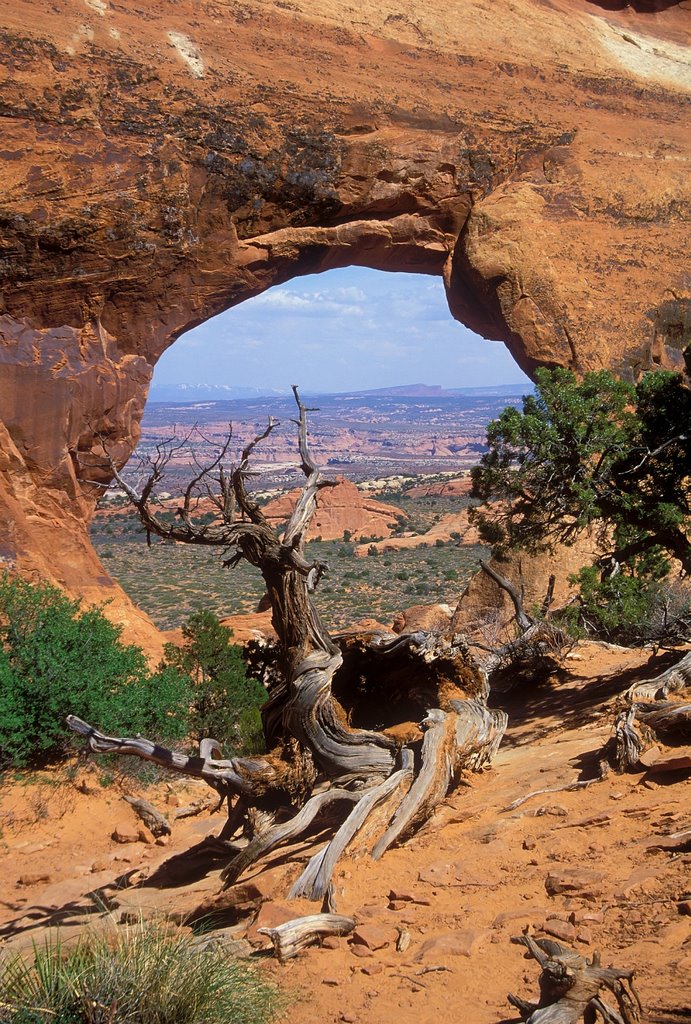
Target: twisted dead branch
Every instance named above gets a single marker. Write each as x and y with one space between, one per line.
373 788
570 988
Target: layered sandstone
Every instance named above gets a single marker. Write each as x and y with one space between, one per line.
162 163
342 510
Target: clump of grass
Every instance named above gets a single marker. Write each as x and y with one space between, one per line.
139 975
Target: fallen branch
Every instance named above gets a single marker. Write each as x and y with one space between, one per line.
152 818
582 784
293 936
676 678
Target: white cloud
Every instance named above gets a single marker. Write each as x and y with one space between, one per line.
310 304
338 331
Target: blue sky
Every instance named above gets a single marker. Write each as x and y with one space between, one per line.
343 330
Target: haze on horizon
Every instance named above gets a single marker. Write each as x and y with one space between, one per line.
351 329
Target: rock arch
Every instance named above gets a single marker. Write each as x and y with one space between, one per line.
158 167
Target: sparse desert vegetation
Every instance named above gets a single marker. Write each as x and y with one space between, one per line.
170 581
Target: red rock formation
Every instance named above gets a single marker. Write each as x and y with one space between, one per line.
448 528
427 617
454 488
162 163
339 509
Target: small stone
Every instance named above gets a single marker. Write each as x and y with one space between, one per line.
583 881
461 943
578 917
363 951
146 835
99 865
560 930
173 800
585 936
401 894
374 937
529 843
331 982
398 905
371 969
124 834
348 1018
684 907
163 841
33 879
331 942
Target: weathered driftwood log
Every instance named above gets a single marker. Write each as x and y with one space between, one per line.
313 735
153 819
675 679
293 936
650 718
570 988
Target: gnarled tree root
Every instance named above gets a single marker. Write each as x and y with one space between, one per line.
285 831
314 882
570 988
385 809
468 737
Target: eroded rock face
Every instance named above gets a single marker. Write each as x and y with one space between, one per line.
342 511
161 164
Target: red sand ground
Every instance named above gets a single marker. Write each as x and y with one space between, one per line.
472 878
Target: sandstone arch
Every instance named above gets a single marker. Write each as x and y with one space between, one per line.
162 165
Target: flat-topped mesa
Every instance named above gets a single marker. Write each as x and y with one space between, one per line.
157 169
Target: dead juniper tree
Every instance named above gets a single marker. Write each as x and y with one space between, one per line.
329 755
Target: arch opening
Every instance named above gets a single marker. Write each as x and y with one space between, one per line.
404 393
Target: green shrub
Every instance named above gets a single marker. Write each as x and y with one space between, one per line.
139 975
57 658
226 701
629 608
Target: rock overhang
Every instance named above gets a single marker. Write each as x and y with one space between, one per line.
161 167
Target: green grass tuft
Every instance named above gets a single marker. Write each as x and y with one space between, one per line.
138 975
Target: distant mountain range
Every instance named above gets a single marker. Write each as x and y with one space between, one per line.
228 392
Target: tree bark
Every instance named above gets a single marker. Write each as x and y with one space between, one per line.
377 788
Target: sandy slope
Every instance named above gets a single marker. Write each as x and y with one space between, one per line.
470 880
